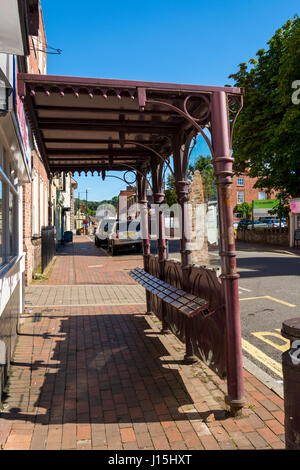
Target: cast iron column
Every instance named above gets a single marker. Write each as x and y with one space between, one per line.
182 189
291 383
180 152
143 203
158 198
223 171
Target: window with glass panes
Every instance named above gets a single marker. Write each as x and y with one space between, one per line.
1 224
8 211
240 197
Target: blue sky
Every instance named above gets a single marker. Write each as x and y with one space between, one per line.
180 41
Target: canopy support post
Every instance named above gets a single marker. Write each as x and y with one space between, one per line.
223 171
158 199
181 152
143 204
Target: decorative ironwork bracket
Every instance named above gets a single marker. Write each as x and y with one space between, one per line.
188 117
235 105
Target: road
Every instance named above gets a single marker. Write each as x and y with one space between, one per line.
269 294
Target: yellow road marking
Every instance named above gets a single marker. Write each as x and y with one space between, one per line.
270 298
253 298
280 301
262 335
262 357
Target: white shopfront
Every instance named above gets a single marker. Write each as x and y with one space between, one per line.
15 160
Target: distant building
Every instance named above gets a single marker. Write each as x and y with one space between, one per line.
79 218
243 191
127 203
64 187
94 221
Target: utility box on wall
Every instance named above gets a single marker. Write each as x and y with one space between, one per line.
295 222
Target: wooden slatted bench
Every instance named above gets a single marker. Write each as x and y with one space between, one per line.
188 304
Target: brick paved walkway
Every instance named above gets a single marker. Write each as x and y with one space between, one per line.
103 377
66 296
82 262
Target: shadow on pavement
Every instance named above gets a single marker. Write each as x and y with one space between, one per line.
263 266
106 370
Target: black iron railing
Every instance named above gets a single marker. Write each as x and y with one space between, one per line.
48 246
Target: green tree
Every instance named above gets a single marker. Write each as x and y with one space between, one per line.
282 209
170 193
267 132
114 201
245 209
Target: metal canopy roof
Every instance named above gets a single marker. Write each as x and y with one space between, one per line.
85 124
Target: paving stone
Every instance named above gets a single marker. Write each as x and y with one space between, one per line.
94 378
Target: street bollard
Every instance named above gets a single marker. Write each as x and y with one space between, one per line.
291 383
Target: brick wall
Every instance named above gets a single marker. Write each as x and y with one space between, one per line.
32 247
197 208
272 236
126 200
27 231
37 60
37 64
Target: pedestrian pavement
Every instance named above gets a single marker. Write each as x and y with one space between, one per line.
63 296
246 246
82 263
104 377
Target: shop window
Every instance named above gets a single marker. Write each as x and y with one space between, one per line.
35 206
11 225
8 214
1 231
46 206
41 206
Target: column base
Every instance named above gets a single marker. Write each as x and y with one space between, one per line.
190 359
165 330
236 406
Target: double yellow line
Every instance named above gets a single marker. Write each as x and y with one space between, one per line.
274 366
270 298
260 356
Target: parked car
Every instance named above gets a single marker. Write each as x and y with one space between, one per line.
265 223
274 222
283 223
125 234
244 223
253 223
103 230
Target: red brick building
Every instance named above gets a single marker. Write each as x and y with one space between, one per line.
35 193
243 191
127 202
